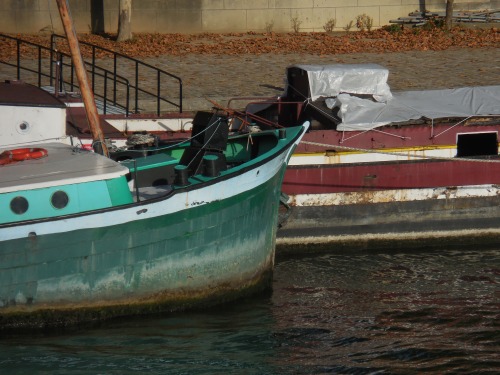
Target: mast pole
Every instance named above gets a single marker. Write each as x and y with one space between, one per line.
83 80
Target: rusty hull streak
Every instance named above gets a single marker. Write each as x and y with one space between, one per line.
384 196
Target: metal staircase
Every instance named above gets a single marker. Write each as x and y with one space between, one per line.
118 81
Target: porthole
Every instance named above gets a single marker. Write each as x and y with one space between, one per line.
59 199
24 127
19 205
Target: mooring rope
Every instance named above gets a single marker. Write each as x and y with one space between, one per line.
172 145
215 123
140 139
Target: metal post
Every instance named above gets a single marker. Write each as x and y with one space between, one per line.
158 93
105 96
52 49
136 87
58 78
127 110
93 68
18 60
180 96
39 67
114 79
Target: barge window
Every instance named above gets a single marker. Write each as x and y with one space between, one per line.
477 144
19 205
59 199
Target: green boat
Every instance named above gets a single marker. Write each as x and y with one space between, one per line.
84 237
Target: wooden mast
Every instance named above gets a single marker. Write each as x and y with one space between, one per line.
81 74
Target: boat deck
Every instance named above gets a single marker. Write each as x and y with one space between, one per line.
17 93
63 165
151 192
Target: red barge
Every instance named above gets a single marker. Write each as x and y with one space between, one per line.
381 169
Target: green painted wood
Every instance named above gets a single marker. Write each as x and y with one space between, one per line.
225 243
214 251
82 197
119 191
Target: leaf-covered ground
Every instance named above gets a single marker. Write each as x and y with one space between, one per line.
378 41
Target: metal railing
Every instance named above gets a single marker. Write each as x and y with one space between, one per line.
59 66
138 86
51 67
109 86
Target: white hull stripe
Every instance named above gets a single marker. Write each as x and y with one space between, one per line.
371 157
181 201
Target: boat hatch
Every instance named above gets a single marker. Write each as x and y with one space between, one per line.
477 144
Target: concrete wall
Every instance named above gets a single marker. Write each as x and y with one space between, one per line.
185 16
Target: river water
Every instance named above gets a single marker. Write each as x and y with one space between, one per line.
403 312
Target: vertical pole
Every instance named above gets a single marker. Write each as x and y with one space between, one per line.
105 96
449 14
180 96
137 86
114 79
18 60
52 49
58 78
158 93
93 68
81 75
39 67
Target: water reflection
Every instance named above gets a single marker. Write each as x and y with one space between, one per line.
398 312
406 312
238 337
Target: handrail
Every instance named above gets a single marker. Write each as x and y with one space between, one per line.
59 60
18 57
96 71
136 86
105 74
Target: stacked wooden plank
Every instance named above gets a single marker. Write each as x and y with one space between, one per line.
421 18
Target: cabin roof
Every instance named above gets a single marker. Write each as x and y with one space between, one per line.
63 165
18 93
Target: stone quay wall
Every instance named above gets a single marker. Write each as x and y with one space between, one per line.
220 16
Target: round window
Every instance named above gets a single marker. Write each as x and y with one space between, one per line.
24 127
59 199
19 205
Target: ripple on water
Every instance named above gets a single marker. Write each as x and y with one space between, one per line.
362 313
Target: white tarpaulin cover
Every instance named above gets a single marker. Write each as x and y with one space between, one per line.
364 114
332 80
342 84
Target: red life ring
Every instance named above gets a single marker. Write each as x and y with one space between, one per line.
20 154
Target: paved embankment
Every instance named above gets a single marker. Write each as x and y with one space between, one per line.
222 77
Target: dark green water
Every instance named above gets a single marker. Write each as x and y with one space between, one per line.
376 313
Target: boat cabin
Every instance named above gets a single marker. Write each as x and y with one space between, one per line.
29 115
67 180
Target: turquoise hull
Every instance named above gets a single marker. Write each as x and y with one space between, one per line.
173 247
198 255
